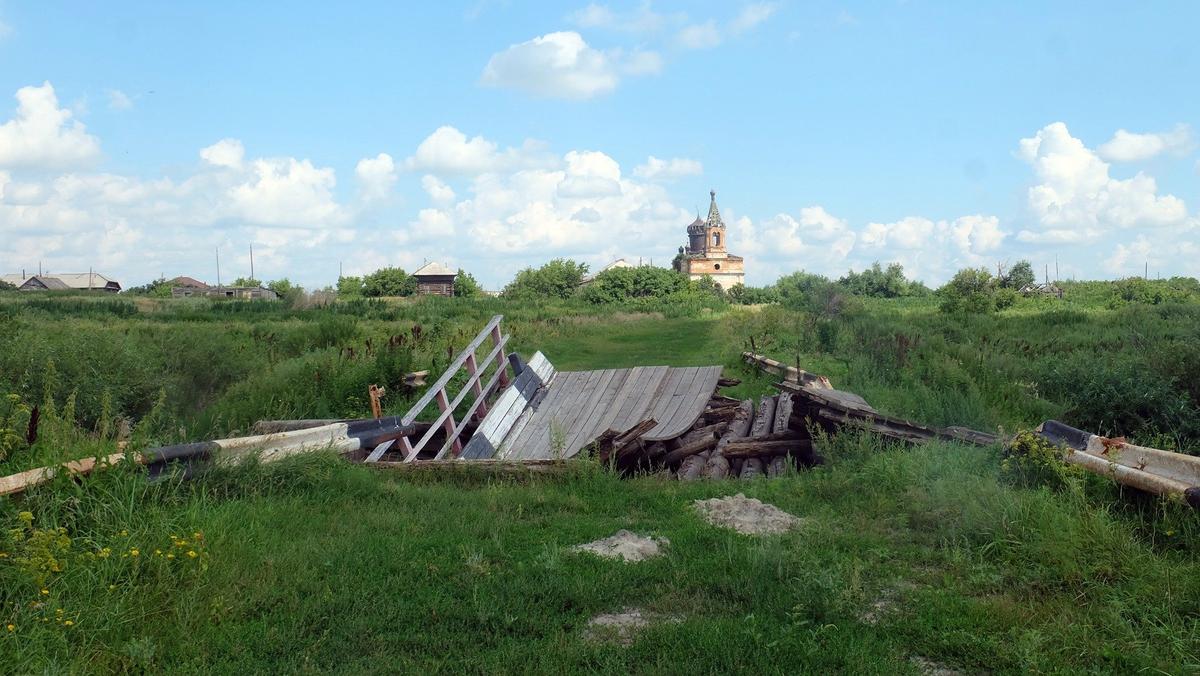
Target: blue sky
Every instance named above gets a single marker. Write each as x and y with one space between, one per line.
137 138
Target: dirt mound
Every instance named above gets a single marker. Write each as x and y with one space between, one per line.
622 627
625 545
746 515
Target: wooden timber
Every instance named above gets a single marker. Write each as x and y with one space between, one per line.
580 405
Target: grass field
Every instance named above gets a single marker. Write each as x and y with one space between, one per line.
907 556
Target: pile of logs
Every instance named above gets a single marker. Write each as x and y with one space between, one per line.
732 439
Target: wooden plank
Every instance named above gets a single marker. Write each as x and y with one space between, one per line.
492 329
567 416
628 383
446 413
476 388
691 410
591 412
657 400
671 398
505 411
638 401
691 406
480 401
564 386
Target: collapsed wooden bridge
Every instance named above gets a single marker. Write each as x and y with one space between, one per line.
506 412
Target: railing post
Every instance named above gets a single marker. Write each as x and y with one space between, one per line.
449 424
476 388
501 358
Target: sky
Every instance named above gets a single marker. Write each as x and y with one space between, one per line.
141 139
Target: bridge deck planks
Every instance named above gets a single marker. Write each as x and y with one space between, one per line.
582 404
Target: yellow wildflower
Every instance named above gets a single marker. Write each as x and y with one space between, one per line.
12 627
68 623
3 555
171 555
103 553
158 552
198 535
45 591
27 517
191 554
134 552
123 533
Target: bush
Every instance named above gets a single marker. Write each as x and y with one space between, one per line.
753 295
1018 276
560 278
466 286
876 282
389 282
974 291
620 285
159 288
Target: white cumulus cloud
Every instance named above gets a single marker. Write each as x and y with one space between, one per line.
1126 146
1076 196
376 176
699 35
555 65
752 15
119 100
448 151
228 153
675 167
43 136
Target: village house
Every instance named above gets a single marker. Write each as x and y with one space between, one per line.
72 281
619 263
435 279
188 287
705 253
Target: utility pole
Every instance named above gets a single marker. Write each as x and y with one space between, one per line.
251 260
1146 274
1056 267
218 250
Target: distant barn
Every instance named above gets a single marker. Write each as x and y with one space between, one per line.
72 281
435 279
188 287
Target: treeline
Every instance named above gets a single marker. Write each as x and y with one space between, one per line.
395 282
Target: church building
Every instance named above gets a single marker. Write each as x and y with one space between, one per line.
705 253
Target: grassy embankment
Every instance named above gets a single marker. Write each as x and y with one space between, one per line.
314 564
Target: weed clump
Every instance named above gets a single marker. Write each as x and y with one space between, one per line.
1032 461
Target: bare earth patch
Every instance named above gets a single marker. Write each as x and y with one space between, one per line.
625 545
622 627
746 515
930 668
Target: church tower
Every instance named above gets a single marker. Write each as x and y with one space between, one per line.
706 253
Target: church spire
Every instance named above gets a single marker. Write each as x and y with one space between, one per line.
714 214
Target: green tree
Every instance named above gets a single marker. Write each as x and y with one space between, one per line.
560 278
619 285
466 286
1018 276
285 289
5 286
877 282
247 281
159 288
804 290
349 287
389 282
971 290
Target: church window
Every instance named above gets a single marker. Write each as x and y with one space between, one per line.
716 239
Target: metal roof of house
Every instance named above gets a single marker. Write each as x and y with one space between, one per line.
434 269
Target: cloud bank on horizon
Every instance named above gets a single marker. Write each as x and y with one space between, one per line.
463 197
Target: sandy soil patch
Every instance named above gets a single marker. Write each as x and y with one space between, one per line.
622 627
625 545
746 515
